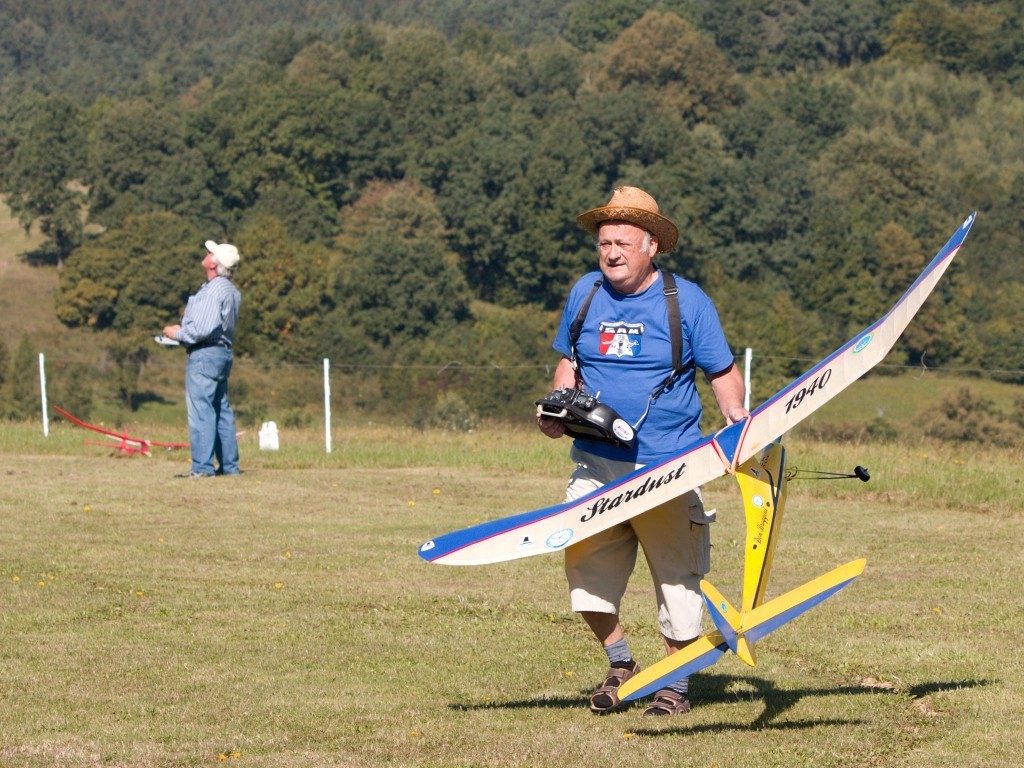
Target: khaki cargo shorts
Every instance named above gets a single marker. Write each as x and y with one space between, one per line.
676 541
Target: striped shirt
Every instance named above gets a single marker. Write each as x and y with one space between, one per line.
211 315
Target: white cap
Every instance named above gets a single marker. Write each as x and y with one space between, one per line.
224 254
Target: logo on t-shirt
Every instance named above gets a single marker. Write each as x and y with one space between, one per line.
621 339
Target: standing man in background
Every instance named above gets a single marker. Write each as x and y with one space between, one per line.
636 335
207 331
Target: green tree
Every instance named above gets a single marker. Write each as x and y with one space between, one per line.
470 194
511 351
969 416
129 354
284 285
679 70
976 38
139 163
543 249
592 22
510 181
321 62
138 276
23 400
738 28
72 388
396 284
819 33
864 180
23 43
901 258
758 192
429 96
266 136
998 334
39 179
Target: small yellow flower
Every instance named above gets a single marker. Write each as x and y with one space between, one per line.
437 491
42 583
139 593
412 503
936 610
88 508
287 554
278 585
16 579
628 736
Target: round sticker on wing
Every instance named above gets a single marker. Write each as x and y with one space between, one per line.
559 539
622 430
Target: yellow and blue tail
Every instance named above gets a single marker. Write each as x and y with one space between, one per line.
738 631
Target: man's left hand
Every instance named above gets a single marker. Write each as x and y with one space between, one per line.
739 413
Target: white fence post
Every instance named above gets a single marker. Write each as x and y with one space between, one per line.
327 403
42 390
746 377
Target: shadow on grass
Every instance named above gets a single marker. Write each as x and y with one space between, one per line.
141 398
729 689
560 702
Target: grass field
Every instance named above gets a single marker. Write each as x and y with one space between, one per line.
283 618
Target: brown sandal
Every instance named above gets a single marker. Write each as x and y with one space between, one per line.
668 702
606 698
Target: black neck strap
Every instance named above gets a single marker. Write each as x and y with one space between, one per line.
675 327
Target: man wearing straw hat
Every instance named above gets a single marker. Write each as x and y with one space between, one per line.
617 342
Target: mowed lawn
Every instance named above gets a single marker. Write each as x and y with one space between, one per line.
284 618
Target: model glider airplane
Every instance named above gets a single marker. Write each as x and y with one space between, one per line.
554 528
750 450
126 445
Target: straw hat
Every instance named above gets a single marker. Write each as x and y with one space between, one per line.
633 205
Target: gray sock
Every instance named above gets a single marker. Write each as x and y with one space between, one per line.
681 686
618 652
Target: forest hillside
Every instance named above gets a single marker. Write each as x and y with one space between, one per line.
403 178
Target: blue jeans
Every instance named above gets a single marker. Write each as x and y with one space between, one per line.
211 422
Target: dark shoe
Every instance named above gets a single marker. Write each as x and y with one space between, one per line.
194 474
606 698
668 702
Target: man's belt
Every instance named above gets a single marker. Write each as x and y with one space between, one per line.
587 418
205 344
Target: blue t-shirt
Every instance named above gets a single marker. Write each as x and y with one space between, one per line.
625 353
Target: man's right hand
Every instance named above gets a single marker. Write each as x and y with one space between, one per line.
551 427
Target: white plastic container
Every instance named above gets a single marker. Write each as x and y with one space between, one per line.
268 436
